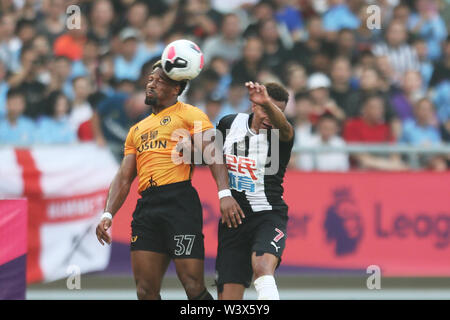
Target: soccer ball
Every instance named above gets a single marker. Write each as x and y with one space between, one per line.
182 60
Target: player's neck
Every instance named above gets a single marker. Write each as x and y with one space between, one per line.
161 107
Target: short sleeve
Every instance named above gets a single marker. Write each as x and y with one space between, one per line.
198 121
129 143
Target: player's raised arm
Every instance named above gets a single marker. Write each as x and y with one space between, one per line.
118 192
258 95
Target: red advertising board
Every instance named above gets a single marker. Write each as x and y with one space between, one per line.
397 221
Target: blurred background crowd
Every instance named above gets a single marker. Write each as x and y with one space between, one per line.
348 82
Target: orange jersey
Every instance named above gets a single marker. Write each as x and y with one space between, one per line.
153 141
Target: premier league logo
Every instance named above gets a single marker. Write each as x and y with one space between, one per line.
343 224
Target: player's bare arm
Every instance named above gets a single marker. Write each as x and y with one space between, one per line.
229 208
118 192
258 95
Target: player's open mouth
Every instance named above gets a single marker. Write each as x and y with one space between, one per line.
266 126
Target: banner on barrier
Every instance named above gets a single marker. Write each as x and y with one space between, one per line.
397 221
13 248
66 188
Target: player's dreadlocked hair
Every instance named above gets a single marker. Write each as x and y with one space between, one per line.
277 92
182 84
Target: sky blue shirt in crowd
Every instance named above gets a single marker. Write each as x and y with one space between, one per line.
50 130
3 91
20 134
433 31
291 17
339 17
417 135
131 70
441 99
144 54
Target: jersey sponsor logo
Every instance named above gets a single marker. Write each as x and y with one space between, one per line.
241 173
149 145
165 121
242 165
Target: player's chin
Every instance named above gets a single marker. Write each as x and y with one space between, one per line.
151 101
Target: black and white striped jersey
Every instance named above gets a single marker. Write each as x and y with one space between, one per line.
256 163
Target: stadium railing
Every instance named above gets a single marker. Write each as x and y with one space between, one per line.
412 153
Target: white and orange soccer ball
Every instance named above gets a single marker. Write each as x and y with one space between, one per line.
182 60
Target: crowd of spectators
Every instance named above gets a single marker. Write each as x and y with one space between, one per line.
349 81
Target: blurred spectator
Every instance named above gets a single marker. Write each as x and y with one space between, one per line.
401 13
201 20
228 43
441 99
411 91
346 45
81 114
296 78
319 91
56 128
247 68
365 37
221 67
231 5
441 70
341 73
427 23
26 80
25 31
101 19
42 47
60 70
274 50
370 127
303 126
337 17
137 14
71 43
327 129
10 44
237 100
213 108
421 130
401 55
87 65
425 64
16 128
127 64
152 46
290 16
3 89
306 52
113 118
369 84
54 23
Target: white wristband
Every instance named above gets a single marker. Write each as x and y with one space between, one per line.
224 193
106 215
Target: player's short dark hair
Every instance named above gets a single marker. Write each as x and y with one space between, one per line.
14 92
182 83
277 92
